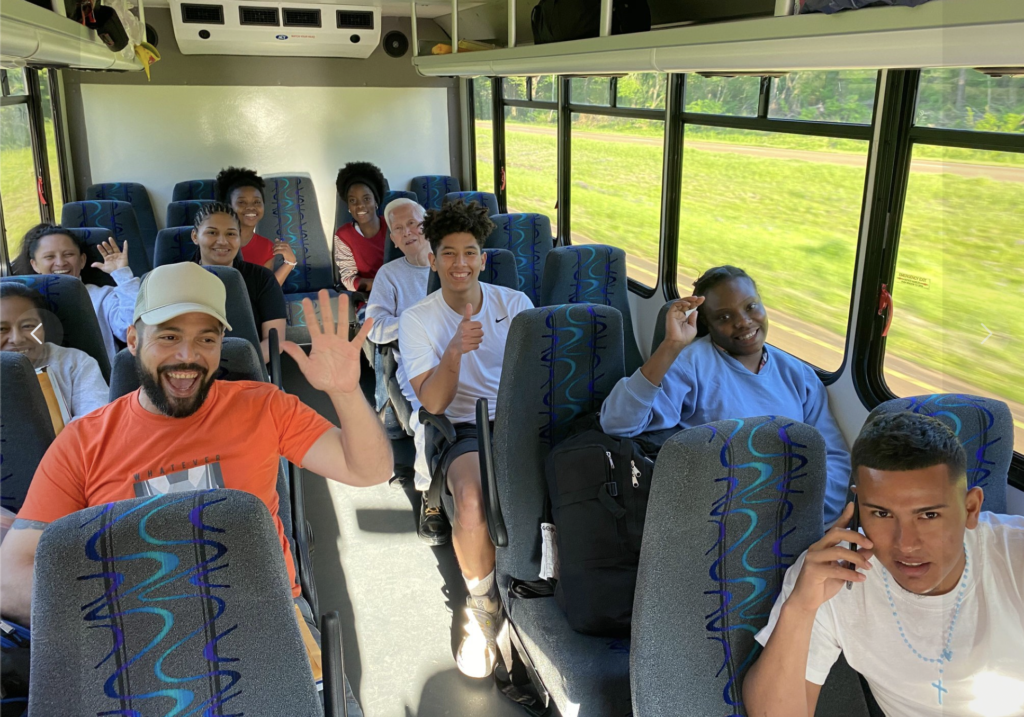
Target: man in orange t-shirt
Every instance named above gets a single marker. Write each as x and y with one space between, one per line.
184 430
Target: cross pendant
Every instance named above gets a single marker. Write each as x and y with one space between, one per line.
940 688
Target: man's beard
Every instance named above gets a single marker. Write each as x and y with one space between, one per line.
173 407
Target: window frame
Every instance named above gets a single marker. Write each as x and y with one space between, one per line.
899 136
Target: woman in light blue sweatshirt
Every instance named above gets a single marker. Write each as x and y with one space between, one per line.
714 365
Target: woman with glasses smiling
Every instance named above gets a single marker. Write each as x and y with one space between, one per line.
359 246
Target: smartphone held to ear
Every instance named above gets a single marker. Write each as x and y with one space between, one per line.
854 526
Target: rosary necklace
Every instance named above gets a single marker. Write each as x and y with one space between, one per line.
946 655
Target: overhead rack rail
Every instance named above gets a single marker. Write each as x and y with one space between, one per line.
940 33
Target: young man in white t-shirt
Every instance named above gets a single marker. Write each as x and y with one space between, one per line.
453 344
928 609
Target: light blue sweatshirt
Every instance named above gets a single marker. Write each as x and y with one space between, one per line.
706 384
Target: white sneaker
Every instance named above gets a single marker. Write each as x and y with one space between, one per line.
478 652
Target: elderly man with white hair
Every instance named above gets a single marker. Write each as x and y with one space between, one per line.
399 284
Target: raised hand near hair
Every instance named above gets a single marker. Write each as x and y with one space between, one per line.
333 362
114 258
827 566
681 329
469 334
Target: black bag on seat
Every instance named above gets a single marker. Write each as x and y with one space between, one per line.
598 486
560 20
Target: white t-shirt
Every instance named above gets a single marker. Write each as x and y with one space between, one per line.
985 676
425 329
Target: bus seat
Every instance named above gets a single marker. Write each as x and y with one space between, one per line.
69 301
500 270
292 215
183 213
173 245
528 237
659 326
214 596
136 195
985 429
118 217
596 274
431 189
239 310
26 430
239 361
194 189
560 363
487 199
728 498
138 259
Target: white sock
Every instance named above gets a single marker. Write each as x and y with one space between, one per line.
484 591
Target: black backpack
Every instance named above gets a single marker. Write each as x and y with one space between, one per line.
560 20
598 487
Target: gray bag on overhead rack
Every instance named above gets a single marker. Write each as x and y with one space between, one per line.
830 6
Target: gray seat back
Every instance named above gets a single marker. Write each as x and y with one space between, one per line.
291 214
659 326
593 274
237 307
733 504
173 245
487 199
194 189
70 303
528 237
431 189
985 429
190 594
500 270
136 195
119 217
182 213
26 430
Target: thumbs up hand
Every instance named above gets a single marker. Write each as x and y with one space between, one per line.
469 334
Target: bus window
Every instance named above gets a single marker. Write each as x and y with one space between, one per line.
961 98
833 96
594 91
616 188
645 90
18 179
787 209
484 134
52 158
531 161
514 88
722 95
545 88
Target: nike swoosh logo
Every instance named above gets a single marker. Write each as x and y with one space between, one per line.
498 321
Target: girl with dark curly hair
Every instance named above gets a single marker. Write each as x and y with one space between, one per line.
359 245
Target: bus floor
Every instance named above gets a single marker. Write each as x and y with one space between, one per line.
395 595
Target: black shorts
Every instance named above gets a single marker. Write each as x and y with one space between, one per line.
466 441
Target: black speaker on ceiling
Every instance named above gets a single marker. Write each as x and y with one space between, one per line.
396 44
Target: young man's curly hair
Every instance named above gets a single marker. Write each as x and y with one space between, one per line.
454 218
363 173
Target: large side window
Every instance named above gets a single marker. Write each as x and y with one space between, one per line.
770 197
616 167
958 290
483 134
50 120
531 145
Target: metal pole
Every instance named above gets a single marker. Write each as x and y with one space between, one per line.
606 18
511 23
415 34
455 26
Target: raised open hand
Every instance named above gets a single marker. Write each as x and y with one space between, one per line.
114 258
680 328
333 362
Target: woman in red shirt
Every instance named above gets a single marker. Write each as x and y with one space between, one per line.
359 245
242 189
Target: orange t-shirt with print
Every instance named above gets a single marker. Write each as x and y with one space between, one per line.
123 451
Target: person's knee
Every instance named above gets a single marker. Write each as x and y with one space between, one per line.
464 483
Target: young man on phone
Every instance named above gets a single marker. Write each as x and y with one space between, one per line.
933 619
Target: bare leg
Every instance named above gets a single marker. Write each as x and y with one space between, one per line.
472 543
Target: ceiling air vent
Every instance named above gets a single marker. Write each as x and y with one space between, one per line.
355 20
258 16
202 14
294 17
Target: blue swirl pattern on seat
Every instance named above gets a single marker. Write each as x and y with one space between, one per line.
985 429
292 215
431 189
173 245
136 195
528 237
183 213
486 199
194 189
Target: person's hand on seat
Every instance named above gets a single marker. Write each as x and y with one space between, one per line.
333 362
285 251
114 258
679 328
469 334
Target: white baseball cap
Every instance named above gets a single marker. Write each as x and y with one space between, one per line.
175 289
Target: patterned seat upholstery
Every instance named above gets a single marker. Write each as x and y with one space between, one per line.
136 195
173 245
69 301
431 189
138 260
116 216
528 237
487 199
194 189
560 363
985 429
733 504
595 274
183 213
175 604
500 270
26 430
292 214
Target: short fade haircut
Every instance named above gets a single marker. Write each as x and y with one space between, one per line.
455 218
907 441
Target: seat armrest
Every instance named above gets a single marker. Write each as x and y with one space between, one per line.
335 703
488 480
302 547
440 422
274 342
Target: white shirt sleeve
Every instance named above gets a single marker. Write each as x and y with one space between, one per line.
824 648
418 355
